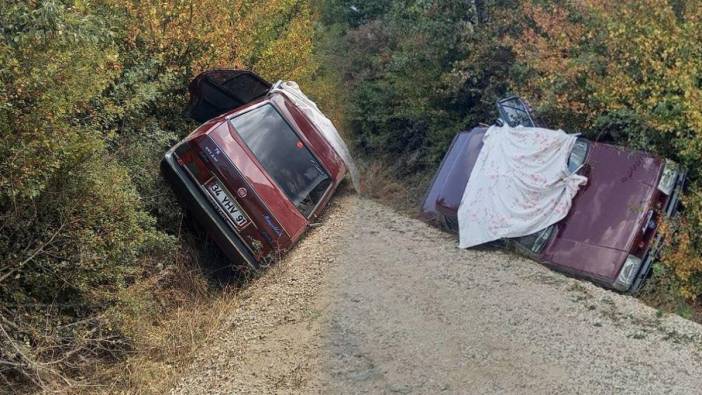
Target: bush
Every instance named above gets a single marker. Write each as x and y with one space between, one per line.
73 224
418 72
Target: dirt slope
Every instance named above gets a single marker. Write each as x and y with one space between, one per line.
374 302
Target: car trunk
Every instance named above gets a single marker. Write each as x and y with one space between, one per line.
233 182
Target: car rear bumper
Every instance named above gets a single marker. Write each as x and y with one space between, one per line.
653 253
193 198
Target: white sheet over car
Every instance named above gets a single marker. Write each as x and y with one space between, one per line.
520 184
323 124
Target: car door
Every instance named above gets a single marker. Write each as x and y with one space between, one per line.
215 92
514 112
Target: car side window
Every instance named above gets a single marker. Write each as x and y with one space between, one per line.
535 242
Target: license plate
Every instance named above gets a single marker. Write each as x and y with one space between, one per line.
227 204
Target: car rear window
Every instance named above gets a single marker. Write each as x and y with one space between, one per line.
283 155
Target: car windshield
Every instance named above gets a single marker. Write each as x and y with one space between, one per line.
577 155
283 155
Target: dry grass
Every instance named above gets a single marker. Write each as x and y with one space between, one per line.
142 343
379 182
168 318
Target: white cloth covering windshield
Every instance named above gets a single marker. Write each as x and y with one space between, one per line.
323 124
520 184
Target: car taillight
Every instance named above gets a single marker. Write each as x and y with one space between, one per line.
187 158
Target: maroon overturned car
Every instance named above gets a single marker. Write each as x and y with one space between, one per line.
257 172
610 234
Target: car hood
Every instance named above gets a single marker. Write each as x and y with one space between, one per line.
609 211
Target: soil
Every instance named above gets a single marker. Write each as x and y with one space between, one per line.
375 302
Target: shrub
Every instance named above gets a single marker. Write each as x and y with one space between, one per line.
417 73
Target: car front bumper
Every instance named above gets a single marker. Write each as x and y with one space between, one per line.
653 253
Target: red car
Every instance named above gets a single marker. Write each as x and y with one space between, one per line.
610 234
257 172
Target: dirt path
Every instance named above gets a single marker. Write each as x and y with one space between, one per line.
374 302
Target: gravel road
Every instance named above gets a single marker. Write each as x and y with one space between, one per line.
374 302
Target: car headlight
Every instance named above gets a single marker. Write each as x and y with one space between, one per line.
628 273
670 175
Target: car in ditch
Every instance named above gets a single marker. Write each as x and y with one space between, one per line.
257 172
610 235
